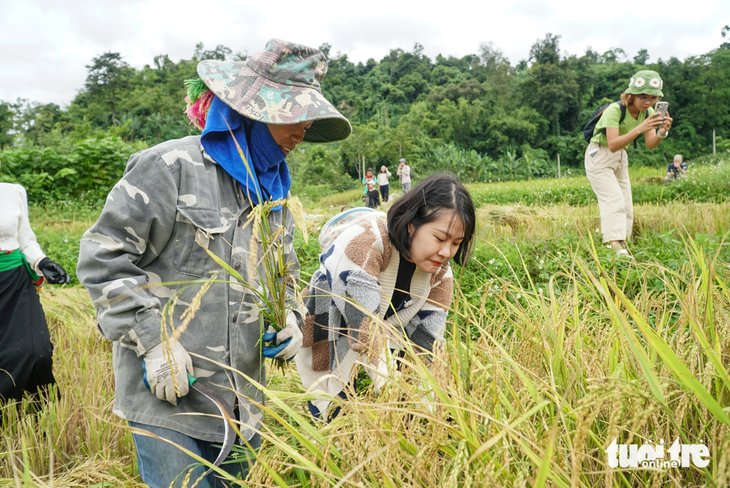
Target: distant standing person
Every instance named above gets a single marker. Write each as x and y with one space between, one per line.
404 172
366 181
383 183
26 351
373 196
606 161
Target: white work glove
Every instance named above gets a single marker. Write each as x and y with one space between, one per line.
379 370
286 342
428 398
379 375
159 372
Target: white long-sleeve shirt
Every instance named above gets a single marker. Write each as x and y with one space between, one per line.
15 231
383 178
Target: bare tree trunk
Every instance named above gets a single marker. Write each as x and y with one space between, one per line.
713 142
358 167
558 165
111 101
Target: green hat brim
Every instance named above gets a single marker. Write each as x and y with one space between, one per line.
655 92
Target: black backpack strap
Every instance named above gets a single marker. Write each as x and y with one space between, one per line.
621 119
623 111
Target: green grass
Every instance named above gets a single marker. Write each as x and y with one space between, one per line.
554 348
58 229
706 183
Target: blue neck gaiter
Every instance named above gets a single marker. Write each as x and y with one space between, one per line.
271 179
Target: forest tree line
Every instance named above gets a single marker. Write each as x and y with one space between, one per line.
479 115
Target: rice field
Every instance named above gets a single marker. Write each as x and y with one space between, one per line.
555 348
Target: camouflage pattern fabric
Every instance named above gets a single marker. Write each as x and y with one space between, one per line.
172 202
280 85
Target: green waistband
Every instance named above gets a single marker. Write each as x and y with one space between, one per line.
13 259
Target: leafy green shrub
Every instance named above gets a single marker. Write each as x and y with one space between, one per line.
59 227
317 171
87 170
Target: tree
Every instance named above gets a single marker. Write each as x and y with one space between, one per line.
469 90
491 57
725 30
325 48
547 50
401 63
704 94
108 74
553 91
220 53
443 75
591 56
505 128
615 55
359 150
163 62
642 57
7 116
412 85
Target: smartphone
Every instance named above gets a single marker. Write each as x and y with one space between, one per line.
661 107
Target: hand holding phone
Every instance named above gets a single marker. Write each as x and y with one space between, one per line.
661 107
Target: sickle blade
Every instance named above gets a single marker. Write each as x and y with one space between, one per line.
228 416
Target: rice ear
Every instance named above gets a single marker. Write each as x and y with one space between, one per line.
297 211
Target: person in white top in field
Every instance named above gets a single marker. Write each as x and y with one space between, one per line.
26 351
383 183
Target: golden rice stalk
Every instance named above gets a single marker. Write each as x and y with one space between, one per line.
297 211
186 317
189 314
256 217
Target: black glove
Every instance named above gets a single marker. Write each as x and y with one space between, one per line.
53 272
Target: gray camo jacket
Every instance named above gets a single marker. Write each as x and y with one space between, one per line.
172 201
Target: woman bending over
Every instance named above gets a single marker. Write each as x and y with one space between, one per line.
396 269
606 161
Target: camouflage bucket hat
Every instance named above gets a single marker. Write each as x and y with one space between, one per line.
279 85
646 82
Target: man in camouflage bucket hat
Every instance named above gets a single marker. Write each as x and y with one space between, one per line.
175 201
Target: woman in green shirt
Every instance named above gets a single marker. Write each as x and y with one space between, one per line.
606 161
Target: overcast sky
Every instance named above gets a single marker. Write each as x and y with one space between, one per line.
45 45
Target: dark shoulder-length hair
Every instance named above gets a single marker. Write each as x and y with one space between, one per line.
426 202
